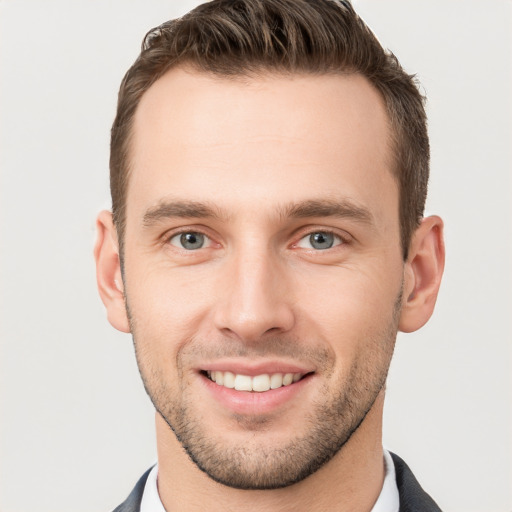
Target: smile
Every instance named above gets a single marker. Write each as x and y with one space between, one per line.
257 383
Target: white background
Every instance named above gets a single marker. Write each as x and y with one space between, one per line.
76 426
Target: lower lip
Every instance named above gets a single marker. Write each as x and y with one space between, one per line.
252 402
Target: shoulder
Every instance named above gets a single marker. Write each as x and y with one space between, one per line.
412 497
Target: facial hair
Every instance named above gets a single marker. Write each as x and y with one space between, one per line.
330 422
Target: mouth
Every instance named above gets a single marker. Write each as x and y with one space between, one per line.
257 389
257 383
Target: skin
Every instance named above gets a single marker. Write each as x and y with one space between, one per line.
257 166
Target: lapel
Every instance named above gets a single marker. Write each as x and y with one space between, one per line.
132 503
412 497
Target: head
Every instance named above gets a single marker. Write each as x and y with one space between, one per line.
251 38
269 166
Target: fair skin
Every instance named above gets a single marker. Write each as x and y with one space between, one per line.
262 238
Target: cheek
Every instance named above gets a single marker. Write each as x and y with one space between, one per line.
349 307
168 304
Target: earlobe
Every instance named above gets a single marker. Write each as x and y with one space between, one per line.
108 272
422 274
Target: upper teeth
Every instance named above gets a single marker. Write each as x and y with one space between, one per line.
259 383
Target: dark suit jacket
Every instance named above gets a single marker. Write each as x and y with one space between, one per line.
412 497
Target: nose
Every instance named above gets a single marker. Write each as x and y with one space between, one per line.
254 299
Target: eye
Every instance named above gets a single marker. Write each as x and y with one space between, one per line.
319 240
190 241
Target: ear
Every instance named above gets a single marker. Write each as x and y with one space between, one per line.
422 274
108 272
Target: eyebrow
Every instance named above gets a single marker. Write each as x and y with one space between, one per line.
180 209
296 210
345 209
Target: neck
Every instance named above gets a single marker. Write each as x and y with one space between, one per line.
351 480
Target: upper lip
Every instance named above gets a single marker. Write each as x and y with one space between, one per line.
256 368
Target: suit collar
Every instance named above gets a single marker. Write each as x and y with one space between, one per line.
412 497
132 503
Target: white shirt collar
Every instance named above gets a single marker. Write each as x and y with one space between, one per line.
150 499
388 500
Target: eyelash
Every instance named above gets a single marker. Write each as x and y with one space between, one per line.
344 239
169 236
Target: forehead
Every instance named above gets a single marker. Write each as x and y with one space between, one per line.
260 141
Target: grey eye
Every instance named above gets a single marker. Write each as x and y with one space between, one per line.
320 240
189 241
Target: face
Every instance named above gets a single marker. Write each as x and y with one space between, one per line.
262 267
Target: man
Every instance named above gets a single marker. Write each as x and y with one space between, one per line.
269 166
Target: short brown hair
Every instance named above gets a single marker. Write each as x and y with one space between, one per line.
249 37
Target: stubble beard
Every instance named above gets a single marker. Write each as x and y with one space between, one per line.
330 423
